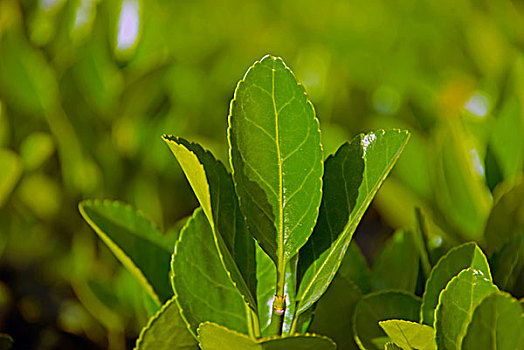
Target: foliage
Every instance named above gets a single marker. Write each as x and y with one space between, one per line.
281 197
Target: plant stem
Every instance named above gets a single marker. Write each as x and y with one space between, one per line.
277 316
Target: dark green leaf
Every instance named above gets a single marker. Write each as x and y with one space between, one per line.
333 312
508 263
497 324
354 267
166 331
397 265
352 177
215 337
135 241
381 306
204 288
6 342
506 219
410 335
456 305
214 188
457 259
276 156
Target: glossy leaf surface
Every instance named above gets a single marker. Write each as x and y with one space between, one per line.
215 337
457 259
202 284
352 177
381 306
276 156
135 241
214 189
166 331
497 323
410 335
397 265
456 305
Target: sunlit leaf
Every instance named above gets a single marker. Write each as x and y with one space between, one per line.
410 335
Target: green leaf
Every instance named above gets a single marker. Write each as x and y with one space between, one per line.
354 268
497 323
397 265
6 342
135 241
381 306
508 263
505 220
204 288
276 156
410 335
36 149
332 316
213 186
456 305
216 337
457 259
352 177
166 330
10 170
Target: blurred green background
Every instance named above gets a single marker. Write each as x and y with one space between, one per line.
88 87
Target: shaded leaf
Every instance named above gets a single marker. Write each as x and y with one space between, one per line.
354 267
457 259
352 177
456 305
201 281
333 312
166 330
214 188
6 342
215 337
135 241
381 306
506 219
276 156
497 323
397 265
410 335
10 170
508 263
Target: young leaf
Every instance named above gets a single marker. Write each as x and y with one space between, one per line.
332 316
135 241
381 306
166 331
410 335
213 186
457 259
215 337
396 267
352 177
496 323
456 305
204 288
276 156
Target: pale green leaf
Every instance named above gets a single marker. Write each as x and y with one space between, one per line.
276 156
166 331
215 337
457 259
397 265
381 306
410 335
135 241
204 288
213 186
497 323
352 177
36 149
456 305
392 346
10 170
